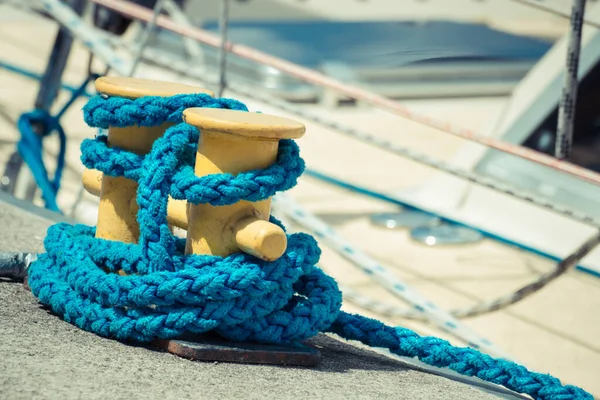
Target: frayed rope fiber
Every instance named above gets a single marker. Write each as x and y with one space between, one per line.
167 293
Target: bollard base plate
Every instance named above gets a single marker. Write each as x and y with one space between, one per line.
213 348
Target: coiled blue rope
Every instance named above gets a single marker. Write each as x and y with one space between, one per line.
167 292
30 147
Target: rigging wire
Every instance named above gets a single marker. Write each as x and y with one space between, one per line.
551 10
146 34
566 108
223 27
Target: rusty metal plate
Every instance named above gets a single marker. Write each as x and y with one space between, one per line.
212 348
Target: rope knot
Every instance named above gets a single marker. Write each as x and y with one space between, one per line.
168 292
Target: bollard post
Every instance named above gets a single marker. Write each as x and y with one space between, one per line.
232 142
118 208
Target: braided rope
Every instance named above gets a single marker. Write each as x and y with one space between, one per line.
485 306
167 292
467 361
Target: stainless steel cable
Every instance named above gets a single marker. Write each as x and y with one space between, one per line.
223 27
551 10
146 34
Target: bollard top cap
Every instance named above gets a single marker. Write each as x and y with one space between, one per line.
134 88
244 124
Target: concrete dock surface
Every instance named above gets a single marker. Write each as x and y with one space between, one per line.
43 357
554 331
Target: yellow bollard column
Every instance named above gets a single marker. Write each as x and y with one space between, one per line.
176 209
233 142
118 208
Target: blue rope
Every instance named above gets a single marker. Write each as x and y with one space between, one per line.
34 75
30 147
167 293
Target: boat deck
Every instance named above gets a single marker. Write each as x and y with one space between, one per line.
554 331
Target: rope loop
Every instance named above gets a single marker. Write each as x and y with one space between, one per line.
30 147
215 189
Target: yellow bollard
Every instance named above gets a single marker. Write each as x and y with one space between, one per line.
118 207
233 142
92 181
176 209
